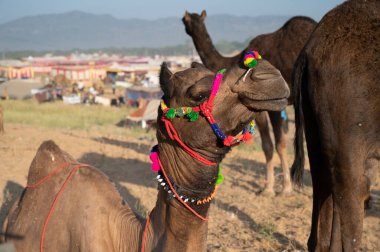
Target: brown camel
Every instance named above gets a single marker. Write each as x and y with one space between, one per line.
281 49
90 214
336 91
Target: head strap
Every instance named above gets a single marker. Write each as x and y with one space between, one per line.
205 109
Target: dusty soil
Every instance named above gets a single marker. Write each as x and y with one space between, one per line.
241 219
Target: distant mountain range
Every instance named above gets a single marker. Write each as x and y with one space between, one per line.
80 30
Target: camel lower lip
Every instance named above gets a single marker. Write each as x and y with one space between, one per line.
272 100
270 105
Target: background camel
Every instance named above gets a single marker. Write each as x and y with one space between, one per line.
90 214
336 90
281 49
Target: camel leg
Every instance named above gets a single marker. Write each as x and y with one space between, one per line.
349 192
267 146
322 214
280 140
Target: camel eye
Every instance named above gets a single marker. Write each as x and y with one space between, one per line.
199 92
199 98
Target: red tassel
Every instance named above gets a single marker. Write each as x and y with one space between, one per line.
228 141
247 136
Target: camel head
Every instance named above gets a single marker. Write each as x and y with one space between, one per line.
233 108
235 103
193 22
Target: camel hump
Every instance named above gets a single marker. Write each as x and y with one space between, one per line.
48 158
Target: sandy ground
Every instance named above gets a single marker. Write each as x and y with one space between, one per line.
241 219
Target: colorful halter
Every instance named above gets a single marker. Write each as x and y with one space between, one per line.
205 109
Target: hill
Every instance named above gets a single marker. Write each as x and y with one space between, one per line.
80 30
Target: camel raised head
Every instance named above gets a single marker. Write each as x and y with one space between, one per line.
281 49
90 215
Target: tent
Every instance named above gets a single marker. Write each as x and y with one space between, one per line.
148 93
146 114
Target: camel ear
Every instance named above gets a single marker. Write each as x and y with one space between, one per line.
203 15
187 16
166 80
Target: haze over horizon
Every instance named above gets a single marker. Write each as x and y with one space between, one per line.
149 9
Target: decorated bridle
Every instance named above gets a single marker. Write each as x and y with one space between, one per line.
205 109
192 113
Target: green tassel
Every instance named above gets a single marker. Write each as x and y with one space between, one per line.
220 178
222 71
193 116
170 114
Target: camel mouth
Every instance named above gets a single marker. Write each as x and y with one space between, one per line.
270 99
275 104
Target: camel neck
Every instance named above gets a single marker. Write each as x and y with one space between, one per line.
210 57
187 172
173 228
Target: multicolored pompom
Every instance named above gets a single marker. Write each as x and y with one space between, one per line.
250 59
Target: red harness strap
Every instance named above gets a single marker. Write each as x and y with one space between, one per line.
145 230
174 136
180 200
71 174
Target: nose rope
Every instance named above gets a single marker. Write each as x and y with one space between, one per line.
173 134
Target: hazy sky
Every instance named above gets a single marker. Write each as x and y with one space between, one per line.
153 9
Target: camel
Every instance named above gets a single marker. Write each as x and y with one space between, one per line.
336 91
90 215
281 49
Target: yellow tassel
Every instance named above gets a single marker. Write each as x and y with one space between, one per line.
163 105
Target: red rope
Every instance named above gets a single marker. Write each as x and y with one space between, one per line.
178 197
48 176
56 196
180 200
145 230
174 136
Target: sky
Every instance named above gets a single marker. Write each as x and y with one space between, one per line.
154 9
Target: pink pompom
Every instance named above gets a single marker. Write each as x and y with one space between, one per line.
155 164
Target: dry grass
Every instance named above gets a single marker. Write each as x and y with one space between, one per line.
59 115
